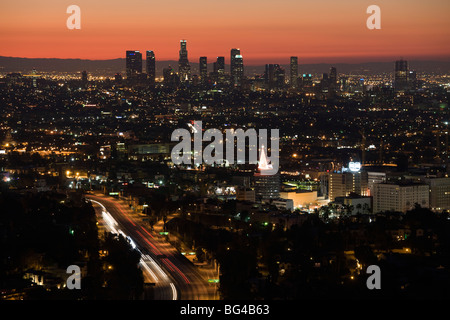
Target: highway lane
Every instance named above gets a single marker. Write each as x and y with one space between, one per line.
164 288
183 275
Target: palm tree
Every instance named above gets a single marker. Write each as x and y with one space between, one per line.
348 209
358 206
365 208
325 211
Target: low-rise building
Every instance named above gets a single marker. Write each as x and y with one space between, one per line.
400 196
439 193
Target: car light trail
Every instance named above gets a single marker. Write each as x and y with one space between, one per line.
155 251
171 266
112 224
146 261
146 231
174 291
157 267
149 270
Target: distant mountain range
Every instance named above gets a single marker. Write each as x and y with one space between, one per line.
110 67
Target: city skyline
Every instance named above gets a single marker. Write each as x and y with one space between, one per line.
334 32
252 151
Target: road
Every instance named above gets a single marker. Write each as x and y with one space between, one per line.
175 277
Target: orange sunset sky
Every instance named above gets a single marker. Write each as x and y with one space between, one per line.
266 31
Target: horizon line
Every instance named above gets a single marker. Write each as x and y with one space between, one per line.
424 59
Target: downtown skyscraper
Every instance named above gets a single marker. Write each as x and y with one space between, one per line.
333 80
184 69
219 69
293 80
203 66
150 66
401 75
133 63
274 76
236 67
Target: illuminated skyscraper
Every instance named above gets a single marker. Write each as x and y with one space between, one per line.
133 64
34 77
401 75
412 80
307 81
219 69
203 65
293 81
266 186
236 67
234 53
151 66
184 69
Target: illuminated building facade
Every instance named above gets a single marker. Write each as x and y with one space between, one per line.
203 65
184 68
342 184
236 67
439 193
294 72
133 64
401 75
399 197
267 187
219 69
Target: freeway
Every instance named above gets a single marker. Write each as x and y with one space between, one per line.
175 277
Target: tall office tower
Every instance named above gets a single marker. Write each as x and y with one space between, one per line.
184 69
307 81
293 81
34 72
266 186
274 76
333 78
203 65
268 74
234 53
239 70
133 64
84 78
236 67
325 82
280 79
170 77
220 69
412 80
401 75
361 85
151 66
